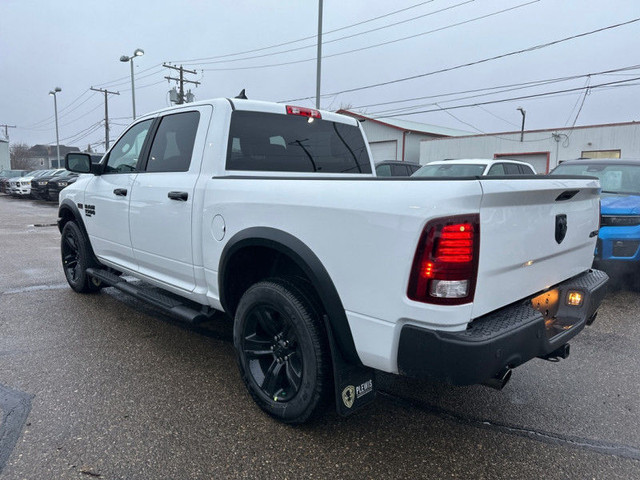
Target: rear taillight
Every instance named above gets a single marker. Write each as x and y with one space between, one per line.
303 111
446 262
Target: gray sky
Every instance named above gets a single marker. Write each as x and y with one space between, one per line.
76 44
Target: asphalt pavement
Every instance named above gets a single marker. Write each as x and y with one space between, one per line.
104 386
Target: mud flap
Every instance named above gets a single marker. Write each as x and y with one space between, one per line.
354 385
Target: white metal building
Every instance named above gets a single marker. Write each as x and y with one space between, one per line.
394 139
5 161
543 149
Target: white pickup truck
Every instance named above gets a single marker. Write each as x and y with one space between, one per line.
272 214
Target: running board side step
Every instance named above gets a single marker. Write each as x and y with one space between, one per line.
169 304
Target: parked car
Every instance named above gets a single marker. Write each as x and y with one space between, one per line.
21 186
274 228
396 168
6 175
56 184
474 167
618 246
39 185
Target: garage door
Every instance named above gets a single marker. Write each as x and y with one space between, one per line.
384 150
538 160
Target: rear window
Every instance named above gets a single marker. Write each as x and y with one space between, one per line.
450 170
260 141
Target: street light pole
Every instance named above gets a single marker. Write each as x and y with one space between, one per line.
125 58
524 114
319 55
55 110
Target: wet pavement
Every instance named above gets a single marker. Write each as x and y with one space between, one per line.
104 386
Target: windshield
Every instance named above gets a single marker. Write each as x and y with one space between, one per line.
292 143
12 173
616 179
450 170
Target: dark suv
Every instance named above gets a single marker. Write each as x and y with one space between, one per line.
39 185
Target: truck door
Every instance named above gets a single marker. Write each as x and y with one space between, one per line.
107 198
162 198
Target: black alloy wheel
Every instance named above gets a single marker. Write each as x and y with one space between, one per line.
76 259
274 358
282 349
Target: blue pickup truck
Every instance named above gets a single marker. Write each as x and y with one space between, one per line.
618 244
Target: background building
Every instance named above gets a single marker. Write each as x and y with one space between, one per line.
394 139
45 156
543 149
5 161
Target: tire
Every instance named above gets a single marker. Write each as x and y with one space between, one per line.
282 350
76 258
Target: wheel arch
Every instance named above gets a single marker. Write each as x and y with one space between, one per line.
69 211
289 246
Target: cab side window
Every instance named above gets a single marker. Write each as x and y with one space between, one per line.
123 157
512 169
173 143
497 169
383 170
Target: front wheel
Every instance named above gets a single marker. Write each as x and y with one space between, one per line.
282 350
76 259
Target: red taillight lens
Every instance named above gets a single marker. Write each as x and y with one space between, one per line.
303 111
446 262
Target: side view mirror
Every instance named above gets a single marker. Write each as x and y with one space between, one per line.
80 163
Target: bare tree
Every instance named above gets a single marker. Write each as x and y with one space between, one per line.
19 154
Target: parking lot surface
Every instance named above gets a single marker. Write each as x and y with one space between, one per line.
103 386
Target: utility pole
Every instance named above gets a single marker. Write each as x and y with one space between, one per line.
319 56
181 80
6 130
106 114
524 115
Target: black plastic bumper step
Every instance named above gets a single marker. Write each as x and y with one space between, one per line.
150 294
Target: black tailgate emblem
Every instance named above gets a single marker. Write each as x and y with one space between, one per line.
561 227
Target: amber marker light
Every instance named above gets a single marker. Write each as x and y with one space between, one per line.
574 299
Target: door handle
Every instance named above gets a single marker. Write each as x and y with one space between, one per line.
180 196
121 192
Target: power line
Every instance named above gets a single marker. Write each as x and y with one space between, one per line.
126 77
371 46
576 104
49 120
336 39
476 62
156 71
42 127
481 95
458 119
586 92
497 116
36 126
72 138
529 84
522 97
190 61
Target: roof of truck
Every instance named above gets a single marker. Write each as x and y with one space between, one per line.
258 106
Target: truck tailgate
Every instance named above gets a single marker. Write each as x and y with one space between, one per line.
522 246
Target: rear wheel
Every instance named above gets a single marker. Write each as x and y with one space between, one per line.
76 258
282 350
